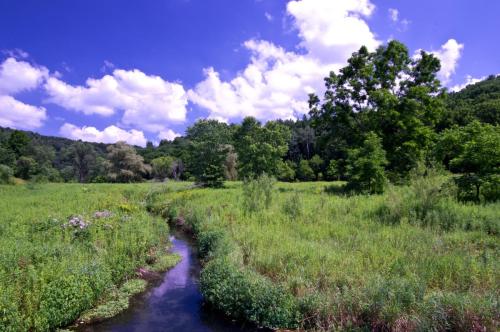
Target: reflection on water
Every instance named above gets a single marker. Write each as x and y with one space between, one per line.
175 304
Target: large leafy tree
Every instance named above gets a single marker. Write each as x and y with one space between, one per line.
124 164
260 148
209 145
387 92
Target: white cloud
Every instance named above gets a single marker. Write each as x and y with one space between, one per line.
468 81
276 82
111 134
17 76
15 114
449 54
148 102
394 14
168 134
269 17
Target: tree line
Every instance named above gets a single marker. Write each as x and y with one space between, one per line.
381 115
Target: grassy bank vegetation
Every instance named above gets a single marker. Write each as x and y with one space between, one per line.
58 257
305 255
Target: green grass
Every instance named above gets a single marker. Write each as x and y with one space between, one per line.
49 273
412 259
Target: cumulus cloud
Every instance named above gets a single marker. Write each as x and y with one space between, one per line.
276 82
111 134
18 76
16 114
168 135
449 54
148 101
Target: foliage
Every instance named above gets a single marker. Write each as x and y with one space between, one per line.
84 160
365 166
388 92
260 148
304 171
124 164
286 171
6 174
332 171
317 165
209 146
25 167
474 152
479 101
163 167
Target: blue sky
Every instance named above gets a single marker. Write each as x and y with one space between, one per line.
145 70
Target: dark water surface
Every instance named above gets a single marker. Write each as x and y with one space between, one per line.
174 304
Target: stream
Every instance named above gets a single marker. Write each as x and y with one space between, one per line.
172 304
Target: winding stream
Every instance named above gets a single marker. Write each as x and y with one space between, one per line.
173 304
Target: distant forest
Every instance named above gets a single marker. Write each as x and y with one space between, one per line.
381 116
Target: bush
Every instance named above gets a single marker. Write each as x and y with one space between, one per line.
258 193
6 174
242 294
62 300
365 166
304 171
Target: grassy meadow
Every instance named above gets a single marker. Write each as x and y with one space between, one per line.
286 255
53 266
306 256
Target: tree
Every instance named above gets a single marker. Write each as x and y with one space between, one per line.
162 167
332 171
25 167
286 170
209 146
304 171
83 158
476 155
316 164
124 164
397 97
365 166
260 148
18 142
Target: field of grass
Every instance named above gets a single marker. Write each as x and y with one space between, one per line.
54 266
282 255
411 259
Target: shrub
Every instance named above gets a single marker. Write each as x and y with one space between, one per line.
305 171
242 294
62 300
258 193
6 174
365 166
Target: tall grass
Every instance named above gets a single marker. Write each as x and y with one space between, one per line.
412 259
